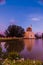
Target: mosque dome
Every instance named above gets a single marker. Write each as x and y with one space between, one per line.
29 29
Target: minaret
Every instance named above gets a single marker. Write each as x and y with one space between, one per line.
29 28
31 25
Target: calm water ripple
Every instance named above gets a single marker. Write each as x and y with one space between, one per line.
33 49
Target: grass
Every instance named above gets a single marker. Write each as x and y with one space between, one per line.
25 62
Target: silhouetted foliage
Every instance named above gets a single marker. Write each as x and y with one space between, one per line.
14 30
37 36
1 35
42 35
0 52
13 55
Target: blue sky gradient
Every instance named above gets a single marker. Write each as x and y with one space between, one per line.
22 13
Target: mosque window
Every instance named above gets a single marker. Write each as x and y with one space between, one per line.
31 35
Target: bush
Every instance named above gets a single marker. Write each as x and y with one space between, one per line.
0 63
13 55
0 52
26 62
4 56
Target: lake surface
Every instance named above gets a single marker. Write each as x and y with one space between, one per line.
33 49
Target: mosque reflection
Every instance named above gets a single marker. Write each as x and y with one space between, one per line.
29 43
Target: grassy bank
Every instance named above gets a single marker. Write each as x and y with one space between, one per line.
18 62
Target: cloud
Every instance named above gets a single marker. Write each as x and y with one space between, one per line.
35 19
12 21
2 2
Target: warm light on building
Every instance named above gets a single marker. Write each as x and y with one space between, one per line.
29 33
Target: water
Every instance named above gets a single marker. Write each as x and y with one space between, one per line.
33 49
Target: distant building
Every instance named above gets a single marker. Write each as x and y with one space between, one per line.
29 33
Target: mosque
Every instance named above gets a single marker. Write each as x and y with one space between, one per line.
29 33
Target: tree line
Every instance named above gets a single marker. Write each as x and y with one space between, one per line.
37 36
17 31
15 45
13 31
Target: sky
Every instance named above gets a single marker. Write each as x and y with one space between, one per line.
23 13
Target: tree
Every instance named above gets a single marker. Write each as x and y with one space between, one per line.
0 52
42 35
1 35
14 30
15 45
38 36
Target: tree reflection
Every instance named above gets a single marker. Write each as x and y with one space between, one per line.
16 45
0 50
29 43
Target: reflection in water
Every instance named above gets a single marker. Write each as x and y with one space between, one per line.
36 50
33 48
3 48
15 45
10 46
29 43
42 42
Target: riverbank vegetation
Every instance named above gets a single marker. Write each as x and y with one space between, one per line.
17 31
13 58
18 62
39 36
